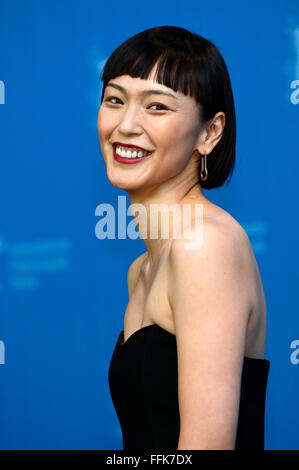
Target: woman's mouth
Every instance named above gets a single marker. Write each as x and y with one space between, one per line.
129 155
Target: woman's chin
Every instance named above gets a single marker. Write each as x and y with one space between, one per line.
123 183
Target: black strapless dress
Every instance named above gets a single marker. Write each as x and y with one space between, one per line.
144 390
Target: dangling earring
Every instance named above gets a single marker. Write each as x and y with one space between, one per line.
204 161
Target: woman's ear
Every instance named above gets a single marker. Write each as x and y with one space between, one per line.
211 134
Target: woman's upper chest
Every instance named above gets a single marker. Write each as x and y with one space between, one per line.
149 300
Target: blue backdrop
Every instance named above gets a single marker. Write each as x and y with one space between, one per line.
63 292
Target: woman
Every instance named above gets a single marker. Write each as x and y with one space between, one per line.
188 370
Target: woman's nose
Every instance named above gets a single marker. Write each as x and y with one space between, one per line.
130 122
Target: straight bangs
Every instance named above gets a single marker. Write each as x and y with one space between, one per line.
175 69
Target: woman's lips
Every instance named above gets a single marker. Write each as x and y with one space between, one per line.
128 161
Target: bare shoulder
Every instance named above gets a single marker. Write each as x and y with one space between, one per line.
133 272
220 259
216 241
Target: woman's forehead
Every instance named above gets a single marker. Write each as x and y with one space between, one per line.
144 87
142 83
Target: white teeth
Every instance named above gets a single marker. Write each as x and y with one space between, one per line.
128 153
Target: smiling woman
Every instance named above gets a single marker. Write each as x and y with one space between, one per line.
188 369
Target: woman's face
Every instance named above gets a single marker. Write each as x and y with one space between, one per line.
167 126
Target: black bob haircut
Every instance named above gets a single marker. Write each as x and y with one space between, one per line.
191 64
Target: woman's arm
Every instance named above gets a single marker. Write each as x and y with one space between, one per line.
211 309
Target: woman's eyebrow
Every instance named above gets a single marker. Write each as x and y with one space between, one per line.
144 92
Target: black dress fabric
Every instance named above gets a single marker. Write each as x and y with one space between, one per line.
144 389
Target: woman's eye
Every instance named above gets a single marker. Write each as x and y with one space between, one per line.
112 98
157 104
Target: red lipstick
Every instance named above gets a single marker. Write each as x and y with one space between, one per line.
131 145
128 161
